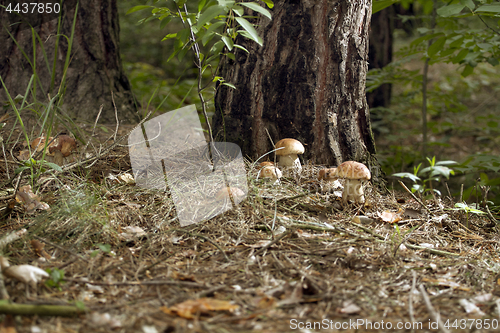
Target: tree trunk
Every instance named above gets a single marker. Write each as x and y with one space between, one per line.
380 53
307 82
95 69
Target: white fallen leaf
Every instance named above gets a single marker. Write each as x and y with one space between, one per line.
127 178
105 319
482 298
149 329
349 307
470 307
25 273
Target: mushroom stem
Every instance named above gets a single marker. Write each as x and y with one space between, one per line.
353 190
291 161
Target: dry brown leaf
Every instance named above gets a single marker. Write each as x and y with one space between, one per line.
30 200
266 302
8 325
192 307
23 155
38 247
391 217
445 283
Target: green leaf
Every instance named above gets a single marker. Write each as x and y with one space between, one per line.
241 48
379 5
21 169
201 4
468 3
228 41
489 8
493 61
53 166
169 36
104 247
226 3
217 48
467 70
208 15
210 33
184 35
238 10
436 46
165 21
269 3
249 28
257 8
80 305
229 85
460 56
137 8
411 176
446 163
450 10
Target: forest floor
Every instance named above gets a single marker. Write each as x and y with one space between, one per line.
394 263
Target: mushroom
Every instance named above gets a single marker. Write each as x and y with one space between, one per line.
323 172
271 172
290 148
353 173
63 143
233 194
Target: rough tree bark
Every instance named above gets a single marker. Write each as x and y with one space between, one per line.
307 82
95 69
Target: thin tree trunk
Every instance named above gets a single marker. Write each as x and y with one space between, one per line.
307 82
380 53
95 70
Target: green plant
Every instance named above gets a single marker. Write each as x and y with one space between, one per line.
423 178
209 31
468 209
56 278
48 114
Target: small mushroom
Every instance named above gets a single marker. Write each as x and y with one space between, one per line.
287 150
323 172
271 172
226 193
353 173
39 143
264 164
63 143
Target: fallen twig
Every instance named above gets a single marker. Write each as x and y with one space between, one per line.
435 316
40 310
415 197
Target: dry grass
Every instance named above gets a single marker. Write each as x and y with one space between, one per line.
316 265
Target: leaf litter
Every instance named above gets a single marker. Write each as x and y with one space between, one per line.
290 252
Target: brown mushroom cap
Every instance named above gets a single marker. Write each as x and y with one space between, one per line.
264 164
289 147
323 174
63 143
224 193
39 143
270 171
350 170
